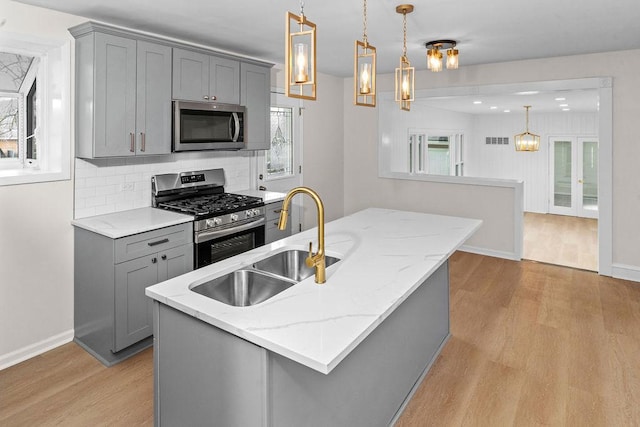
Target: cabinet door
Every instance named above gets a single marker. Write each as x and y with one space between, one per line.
115 95
153 106
256 97
174 262
272 232
133 309
190 75
224 80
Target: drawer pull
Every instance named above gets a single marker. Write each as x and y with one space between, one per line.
158 242
277 211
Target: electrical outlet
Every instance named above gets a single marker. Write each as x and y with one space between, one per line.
128 186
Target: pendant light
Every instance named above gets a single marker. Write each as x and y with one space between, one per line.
300 57
527 141
364 69
404 73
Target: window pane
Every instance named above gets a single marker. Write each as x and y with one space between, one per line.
562 174
8 126
13 70
280 157
438 154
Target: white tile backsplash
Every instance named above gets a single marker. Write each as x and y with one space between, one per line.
114 185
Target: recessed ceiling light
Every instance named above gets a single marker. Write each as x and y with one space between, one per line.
566 109
561 99
477 102
493 107
563 105
507 111
528 92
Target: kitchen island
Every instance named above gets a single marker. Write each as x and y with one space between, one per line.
349 352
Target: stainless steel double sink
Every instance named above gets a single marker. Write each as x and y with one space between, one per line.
263 280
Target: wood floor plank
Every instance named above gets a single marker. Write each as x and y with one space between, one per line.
532 345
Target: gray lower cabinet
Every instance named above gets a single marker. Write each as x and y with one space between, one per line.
206 376
113 316
201 77
272 215
255 95
123 94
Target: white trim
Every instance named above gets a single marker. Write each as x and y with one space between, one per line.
490 252
24 353
626 272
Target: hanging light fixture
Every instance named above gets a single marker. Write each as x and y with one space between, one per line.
404 73
300 57
527 141
434 54
364 69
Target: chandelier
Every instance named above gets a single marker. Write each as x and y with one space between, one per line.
527 141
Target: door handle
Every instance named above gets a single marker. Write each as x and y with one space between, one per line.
580 181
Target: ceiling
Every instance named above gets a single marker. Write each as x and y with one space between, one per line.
487 32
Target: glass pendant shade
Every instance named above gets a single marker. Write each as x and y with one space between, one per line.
300 57
434 60
452 59
364 69
527 141
405 84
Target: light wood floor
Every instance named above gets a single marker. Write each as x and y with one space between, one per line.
532 345
561 240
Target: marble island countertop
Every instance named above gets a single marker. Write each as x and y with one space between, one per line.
385 255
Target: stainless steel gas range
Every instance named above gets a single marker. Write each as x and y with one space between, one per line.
225 224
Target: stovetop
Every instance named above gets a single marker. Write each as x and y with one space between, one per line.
211 205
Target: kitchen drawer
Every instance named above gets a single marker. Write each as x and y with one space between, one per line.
272 211
138 245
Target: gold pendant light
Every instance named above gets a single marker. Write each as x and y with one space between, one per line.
434 54
300 57
404 73
364 69
527 141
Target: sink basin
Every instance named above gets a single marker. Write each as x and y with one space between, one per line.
290 264
243 288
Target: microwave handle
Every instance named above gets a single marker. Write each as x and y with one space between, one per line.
234 127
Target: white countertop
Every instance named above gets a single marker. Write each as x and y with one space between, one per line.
266 196
385 255
134 221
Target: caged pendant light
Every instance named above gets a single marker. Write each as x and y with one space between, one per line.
300 57
527 141
404 82
364 69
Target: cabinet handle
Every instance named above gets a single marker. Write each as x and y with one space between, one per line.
277 211
213 97
154 260
132 138
205 97
143 141
158 242
163 257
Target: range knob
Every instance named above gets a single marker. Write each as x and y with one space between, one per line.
213 222
256 212
250 213
233 217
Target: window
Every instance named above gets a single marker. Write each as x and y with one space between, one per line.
35 140
435 152
279 159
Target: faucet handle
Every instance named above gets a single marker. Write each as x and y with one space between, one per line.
309 260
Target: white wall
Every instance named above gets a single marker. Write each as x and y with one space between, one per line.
36 237
362 186
502 161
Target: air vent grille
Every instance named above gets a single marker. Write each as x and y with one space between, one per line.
497 140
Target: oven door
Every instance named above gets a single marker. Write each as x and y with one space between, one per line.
214 246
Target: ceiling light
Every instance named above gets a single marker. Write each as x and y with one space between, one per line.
300 57
364 69
477 102
561 99
493 107
563 105
506 111
566 109
404 73
434 56
528 92
527 141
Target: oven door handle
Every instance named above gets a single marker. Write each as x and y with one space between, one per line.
210 235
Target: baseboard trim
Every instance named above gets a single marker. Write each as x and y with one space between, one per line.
490 252
626 272
24 353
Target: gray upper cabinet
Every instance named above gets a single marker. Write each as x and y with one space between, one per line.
255 95
123 94
201 77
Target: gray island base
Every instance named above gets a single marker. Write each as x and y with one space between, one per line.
205 376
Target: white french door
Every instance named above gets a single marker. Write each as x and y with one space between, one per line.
573 167
280 168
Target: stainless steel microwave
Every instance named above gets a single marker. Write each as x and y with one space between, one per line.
199 126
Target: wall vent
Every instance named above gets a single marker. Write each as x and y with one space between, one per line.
497 140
